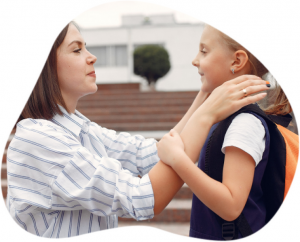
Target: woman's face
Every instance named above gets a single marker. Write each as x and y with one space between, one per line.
213 61
75 70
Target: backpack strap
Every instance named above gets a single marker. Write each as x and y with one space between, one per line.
243 226
281 120
275 169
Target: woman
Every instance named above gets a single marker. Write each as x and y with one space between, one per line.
68 176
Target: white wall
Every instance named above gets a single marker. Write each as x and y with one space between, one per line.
180 40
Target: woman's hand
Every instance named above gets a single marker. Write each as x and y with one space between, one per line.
170 148
229 97
204 95
199 100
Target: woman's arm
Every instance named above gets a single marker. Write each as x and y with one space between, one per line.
49 168
224 101
200 98
136 153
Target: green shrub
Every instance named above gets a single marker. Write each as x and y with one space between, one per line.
151 62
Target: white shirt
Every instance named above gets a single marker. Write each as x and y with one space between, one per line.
68 176
247 133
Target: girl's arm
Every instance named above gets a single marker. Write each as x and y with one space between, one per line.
165 181
224 101
226 199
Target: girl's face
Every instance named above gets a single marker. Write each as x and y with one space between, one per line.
214 60
75 70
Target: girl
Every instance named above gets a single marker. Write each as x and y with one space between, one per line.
69 176
219 59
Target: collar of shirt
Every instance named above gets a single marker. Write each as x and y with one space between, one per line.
74 122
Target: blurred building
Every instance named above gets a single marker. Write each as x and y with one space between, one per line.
114 50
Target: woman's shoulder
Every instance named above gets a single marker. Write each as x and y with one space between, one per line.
40 124
43 138
36 128
32 121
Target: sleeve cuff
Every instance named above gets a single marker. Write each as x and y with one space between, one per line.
143 201
255 157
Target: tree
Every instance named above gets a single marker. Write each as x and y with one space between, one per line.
151 62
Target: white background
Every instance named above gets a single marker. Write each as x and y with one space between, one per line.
269 29
109 15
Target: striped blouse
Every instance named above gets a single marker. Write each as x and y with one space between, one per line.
69 176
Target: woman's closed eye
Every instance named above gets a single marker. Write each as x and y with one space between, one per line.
77 50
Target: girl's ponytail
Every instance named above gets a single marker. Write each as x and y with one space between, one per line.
277 102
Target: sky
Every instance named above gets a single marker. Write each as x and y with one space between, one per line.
109 14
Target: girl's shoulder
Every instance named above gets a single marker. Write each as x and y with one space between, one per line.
247 120
246 126
247 133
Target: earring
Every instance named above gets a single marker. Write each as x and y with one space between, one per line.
232 70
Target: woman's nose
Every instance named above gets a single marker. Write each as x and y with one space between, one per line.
91 59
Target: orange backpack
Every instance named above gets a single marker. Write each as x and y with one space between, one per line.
292 152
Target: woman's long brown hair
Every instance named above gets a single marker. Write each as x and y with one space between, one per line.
46 95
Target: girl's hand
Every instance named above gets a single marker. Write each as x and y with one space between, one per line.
229 97
170 148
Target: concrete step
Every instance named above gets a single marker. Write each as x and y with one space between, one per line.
4 157
135 118
9 139
175 228
6 146
135 103
139 126
119 86
184 193
4 171
139 96
88 111
4 188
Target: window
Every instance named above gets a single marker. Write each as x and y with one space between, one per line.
115 55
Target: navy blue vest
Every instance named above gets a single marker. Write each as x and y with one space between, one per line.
206 224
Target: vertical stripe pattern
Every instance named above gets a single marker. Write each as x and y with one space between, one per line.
69 176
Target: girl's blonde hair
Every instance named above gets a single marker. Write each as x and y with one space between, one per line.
280 104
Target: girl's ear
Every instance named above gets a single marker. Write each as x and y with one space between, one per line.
240 60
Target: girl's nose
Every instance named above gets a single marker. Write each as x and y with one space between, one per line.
195 62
